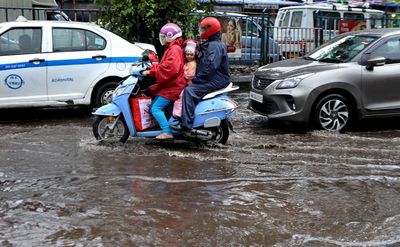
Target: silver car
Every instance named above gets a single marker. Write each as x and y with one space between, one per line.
354 76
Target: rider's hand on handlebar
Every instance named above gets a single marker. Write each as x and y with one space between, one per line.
138 70
145 72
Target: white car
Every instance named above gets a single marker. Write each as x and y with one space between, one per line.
50 63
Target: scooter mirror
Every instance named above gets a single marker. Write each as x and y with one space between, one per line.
145 58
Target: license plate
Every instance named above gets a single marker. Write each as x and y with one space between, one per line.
257 97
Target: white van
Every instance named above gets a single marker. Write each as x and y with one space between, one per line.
299 29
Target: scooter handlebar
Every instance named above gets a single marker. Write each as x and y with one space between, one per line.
138 70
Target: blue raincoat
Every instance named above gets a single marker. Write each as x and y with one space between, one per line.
212 74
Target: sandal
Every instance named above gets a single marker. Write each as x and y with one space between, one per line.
164 137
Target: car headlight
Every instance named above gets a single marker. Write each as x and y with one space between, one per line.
291 82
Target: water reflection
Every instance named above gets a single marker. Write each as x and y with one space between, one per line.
269 186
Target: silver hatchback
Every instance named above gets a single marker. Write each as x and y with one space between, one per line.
354 76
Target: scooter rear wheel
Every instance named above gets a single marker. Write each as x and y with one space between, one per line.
221 133
101 129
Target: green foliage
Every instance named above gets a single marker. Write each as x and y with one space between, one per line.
138 20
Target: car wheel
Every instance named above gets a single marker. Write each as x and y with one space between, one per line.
104 93
333 113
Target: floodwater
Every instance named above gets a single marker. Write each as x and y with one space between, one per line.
270 185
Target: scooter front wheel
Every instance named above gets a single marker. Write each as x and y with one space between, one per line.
105 128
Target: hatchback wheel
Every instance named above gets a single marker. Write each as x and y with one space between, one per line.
333 113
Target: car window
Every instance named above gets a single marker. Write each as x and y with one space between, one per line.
19 41
389 50
94 41
341 49
71 39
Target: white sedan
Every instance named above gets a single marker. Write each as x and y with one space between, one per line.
50 63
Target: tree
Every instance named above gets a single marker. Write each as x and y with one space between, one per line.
138 20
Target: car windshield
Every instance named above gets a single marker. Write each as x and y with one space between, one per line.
341 49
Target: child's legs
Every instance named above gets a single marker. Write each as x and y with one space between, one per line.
159 103
178 106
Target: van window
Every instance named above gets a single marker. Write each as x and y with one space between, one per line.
285 20
250 29
296 19
353 16
376 21
328 20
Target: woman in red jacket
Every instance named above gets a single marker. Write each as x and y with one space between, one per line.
169 77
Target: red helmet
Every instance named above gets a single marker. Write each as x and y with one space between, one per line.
209 26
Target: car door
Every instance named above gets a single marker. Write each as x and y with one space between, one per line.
79 56
382 83
22 66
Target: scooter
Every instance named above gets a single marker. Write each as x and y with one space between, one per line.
114 121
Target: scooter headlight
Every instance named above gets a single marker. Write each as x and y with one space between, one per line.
118 91
133 66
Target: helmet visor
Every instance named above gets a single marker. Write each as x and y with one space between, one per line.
201 30
162 38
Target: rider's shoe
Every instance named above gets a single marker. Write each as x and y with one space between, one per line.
164 137
179 127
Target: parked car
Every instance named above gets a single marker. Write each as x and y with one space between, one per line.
49 63
354 76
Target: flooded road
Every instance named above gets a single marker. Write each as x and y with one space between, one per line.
269 186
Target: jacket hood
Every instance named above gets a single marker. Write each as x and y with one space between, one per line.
177 41
215 36
291 68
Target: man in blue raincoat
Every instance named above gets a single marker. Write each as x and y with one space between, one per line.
212 70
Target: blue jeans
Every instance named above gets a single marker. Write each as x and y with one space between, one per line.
157 110
192 96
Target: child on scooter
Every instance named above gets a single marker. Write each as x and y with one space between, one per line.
169 77
189 71
212 73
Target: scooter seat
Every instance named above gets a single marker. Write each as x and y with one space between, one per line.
229 88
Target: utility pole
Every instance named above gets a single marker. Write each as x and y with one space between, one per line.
74 7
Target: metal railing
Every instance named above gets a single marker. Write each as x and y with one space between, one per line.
249 39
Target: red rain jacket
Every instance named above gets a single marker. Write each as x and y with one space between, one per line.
169 72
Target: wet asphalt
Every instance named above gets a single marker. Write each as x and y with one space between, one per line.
272 184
